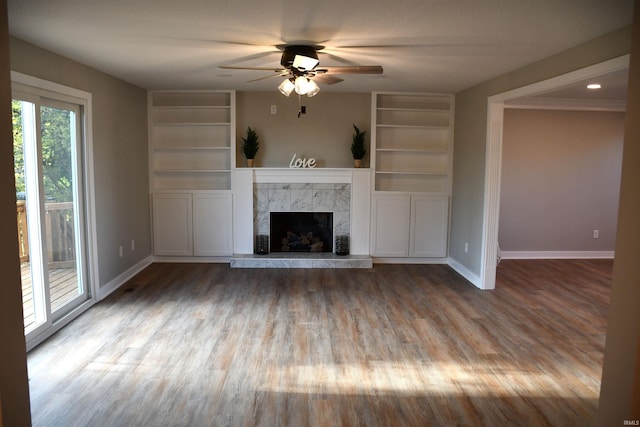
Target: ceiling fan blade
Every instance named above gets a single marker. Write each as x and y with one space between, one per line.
327 79
284 73
233 67
351 69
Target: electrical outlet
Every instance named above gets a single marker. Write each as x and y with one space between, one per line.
274 109
133 245
466 247
121 251
596 234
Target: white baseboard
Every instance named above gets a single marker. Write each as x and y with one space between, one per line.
465 272
113 285
193 259
409 260
557 254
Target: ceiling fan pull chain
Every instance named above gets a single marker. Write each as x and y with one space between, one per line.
301 108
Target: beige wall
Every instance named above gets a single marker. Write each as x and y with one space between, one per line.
620 389
324 133
471 133
14 386
120 153
560 180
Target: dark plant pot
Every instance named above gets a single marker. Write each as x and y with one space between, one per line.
342 245
262 244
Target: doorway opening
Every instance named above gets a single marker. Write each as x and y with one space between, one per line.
493 164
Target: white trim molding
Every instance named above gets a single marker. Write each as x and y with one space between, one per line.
567 104
464 272
558 254
113 285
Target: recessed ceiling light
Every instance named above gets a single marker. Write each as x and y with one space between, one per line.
594 86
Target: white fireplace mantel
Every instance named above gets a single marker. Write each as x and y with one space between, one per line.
243 185
302 175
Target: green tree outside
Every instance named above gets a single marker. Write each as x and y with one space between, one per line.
56 152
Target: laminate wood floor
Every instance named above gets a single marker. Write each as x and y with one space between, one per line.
396 345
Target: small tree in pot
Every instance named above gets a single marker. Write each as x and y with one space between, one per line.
250 146
358 149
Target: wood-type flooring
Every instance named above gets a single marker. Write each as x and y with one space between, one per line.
396 345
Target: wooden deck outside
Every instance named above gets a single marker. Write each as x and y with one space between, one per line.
62 282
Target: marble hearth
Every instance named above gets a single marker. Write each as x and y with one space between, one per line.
300 260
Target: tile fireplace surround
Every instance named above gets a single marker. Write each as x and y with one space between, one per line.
258 191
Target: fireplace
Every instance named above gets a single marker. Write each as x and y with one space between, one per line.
345 193
301 231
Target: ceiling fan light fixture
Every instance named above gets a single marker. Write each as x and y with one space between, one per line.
286 87
313 89
304 63
302 85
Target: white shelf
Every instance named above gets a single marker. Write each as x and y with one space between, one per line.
191 107
188 124
412 173
412 140
412 150
192 137
412 126
415 109
184 171
192 148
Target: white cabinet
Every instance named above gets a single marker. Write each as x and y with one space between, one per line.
408 225
390 217
212 224
173 224
429 226
192 224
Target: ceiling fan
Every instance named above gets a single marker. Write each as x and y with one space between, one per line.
300 66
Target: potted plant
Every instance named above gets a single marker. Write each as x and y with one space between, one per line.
358 149
250 146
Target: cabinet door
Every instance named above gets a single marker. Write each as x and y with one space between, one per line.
390 220
429 225
172 224
212 224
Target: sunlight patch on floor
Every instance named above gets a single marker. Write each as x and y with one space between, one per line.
477 379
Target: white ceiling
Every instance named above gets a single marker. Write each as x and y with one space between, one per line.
423 45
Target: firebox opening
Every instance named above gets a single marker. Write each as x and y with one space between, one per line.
301 232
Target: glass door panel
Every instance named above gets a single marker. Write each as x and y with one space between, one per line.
49 205
59 134
28 212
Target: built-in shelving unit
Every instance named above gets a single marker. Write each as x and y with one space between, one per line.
191 147
192 140
412 139
412 142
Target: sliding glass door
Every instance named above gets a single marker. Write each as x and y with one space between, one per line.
50 207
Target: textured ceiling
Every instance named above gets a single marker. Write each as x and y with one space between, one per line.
423 45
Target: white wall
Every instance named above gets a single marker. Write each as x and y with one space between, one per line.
560 180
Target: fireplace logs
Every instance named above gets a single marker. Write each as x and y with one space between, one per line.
302 242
